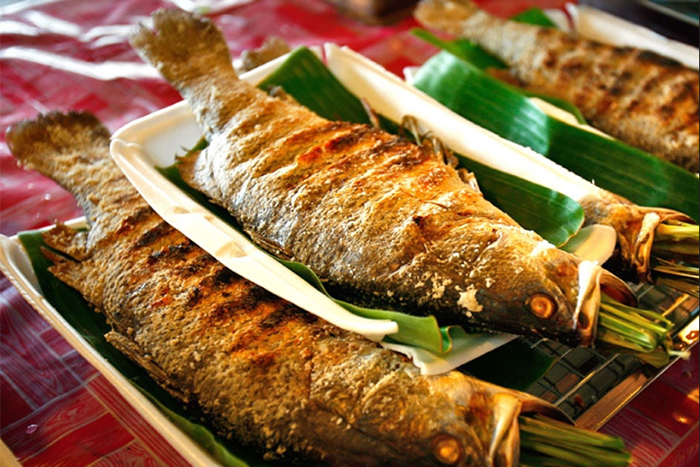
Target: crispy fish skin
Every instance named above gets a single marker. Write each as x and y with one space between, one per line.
637 96
274 377
383 222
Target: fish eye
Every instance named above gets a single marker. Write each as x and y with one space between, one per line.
447 449
542 305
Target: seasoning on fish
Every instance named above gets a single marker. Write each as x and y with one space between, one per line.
384 222
274 377
637 96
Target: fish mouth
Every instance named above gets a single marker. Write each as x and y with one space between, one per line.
641 241
594 281
504 450
635 230
588 303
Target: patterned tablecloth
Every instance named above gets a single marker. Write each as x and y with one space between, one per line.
55 408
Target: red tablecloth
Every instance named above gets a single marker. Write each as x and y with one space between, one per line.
55 408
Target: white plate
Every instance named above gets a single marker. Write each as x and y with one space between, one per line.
599 25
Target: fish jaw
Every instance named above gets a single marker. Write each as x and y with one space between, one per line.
525 285
635 227
505 445
493 416
508 406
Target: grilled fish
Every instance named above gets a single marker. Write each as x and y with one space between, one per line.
384 222
637 96
263 371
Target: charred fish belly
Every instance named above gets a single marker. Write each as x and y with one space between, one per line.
637 96
277 379
382 221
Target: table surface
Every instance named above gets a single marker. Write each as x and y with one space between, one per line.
55 408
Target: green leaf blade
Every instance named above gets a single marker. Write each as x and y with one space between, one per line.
308 80
554 216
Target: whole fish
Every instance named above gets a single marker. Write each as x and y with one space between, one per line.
635 95
272 376
384 222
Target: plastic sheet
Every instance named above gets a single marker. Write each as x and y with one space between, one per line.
74 54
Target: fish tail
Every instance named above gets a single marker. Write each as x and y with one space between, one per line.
73 149
51 143
192 55
183 48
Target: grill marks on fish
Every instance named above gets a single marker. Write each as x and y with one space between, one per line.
274 377
638 96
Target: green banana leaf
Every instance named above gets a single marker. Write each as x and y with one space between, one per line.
534 16
456 77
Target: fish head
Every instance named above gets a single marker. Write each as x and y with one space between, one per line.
470 423
492 412
525 285
635 228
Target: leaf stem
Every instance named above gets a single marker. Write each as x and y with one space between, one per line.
675 239
642 332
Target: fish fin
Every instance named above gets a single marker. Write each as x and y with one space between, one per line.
68 241
182 46
67 271
272 48
40 144
278 92
271 246
469 178
78 274
190 168
133 351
